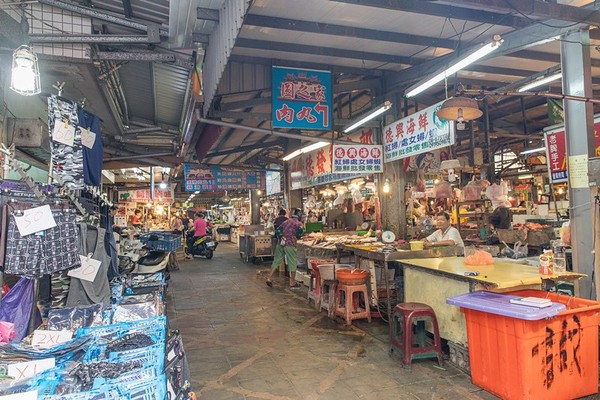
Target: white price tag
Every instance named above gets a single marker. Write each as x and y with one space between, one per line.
35 220
28 369
33 395
88 138
45 339
63 132
88 270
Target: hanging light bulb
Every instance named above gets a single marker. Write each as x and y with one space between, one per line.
25 78
386 186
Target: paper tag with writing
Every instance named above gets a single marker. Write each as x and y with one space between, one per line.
45 339
34 220
28 369
88 270
32 395
63 132
88 138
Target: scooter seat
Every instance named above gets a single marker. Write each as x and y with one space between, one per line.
153 258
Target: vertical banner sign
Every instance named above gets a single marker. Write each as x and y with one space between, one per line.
556 155
357 158
418 133
301 98
556 150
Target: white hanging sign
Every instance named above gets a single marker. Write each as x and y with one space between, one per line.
32 395
363 158
88 138
88 270
35 220
63 132
45 339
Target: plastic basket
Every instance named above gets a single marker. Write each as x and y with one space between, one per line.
161 241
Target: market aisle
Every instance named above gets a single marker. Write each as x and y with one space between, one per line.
246 341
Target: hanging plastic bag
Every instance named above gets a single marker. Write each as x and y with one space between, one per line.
7 331
472 191
16 307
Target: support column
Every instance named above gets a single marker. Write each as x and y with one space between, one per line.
393 205
254 207
579 131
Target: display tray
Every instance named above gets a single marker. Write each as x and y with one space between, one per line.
533 238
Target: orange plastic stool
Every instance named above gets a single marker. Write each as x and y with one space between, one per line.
347 302
402 335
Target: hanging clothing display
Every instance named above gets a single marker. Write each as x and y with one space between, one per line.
93 148
82 292
45 252
65 142
16 307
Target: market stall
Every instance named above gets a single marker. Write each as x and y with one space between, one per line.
433 280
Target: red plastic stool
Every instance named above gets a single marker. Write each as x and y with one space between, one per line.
402 336
347 302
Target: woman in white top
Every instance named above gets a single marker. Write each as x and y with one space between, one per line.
446 235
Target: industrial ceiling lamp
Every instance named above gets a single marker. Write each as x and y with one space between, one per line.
460 109
25 77
450 166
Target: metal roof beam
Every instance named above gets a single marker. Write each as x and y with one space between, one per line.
127 8
143 56
302 64
236 105
514 41
534 8
347 31
115 19
446 11
207 14
102 39
243 149
324 51
10 30
200 38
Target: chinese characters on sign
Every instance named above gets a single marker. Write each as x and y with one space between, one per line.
556 151
315 168
210 179
357 158
301 98
418 133
556 156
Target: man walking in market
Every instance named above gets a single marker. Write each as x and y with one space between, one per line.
291 230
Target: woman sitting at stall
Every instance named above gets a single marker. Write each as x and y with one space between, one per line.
446 235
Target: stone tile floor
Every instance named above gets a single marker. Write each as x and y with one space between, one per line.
245 340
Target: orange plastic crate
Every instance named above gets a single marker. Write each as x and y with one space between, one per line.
551 359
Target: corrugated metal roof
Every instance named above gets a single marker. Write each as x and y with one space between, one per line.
170 85
136 78
156 11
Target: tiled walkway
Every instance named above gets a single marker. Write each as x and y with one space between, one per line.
245 340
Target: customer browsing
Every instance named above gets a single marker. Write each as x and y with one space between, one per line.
290 229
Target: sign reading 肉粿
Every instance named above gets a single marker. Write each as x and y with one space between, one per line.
301 98
418 133
363 158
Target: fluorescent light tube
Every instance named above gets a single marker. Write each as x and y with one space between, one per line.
530 151
305 149
386 106
471 58
293 154
540 82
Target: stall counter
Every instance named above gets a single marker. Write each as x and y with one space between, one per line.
433 280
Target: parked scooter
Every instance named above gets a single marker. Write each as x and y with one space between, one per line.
151 261
203 246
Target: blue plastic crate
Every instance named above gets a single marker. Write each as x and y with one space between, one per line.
161 241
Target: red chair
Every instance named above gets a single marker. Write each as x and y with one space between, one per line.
408 333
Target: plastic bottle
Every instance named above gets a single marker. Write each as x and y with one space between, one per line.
546 263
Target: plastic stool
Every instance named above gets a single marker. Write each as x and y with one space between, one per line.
347 299
328 289
314 287
402 335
